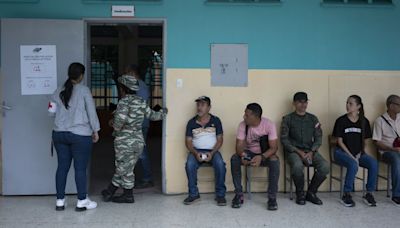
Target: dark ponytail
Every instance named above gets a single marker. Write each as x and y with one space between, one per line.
361 116
75 70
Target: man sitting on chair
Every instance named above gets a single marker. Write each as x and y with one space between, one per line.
256 145
301 136
203 140
386 137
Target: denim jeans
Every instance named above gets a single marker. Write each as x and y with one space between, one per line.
394 159
273 178
365 161
144 160
72 147
192 165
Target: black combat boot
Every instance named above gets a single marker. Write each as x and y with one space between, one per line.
109 192
299 183
316 181
126 197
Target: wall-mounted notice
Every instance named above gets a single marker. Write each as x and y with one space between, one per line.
123 11
38 69
229 65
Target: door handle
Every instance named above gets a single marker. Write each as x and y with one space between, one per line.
5 107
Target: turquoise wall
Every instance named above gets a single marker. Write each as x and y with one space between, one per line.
297 34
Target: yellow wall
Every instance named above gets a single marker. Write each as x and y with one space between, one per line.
273 90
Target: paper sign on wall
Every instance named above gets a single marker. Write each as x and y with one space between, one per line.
38 69
123 11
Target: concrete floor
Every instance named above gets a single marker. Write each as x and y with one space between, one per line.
156 210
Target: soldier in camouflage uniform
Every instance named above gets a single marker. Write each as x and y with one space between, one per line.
129 141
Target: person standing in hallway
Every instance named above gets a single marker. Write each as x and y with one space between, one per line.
76 128
301 136
386 137
144 161
129 141
352 131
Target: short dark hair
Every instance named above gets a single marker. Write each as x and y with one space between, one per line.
255 109
390 100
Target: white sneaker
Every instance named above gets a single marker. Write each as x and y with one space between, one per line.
85 204
60 204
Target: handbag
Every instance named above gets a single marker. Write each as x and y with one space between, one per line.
263 140
396 141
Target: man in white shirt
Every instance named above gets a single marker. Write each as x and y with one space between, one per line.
386 131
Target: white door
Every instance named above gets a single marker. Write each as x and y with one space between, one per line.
28 167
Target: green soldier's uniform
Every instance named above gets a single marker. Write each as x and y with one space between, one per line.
129 141
303 133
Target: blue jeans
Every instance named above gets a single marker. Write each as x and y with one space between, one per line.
144 160
365 161
72 147
394 159
192 165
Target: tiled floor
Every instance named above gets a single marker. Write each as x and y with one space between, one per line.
156 210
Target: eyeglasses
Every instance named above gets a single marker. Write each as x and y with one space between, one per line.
395 103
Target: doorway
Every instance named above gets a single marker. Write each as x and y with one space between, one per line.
111 47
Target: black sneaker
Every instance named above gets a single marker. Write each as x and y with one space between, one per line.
221 201
191 199
313 198
347 200
300 199
369 200
272 205
396 201
237 201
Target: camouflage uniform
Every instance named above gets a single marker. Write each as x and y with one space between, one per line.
129 140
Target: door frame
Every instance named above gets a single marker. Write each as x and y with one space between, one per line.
150 21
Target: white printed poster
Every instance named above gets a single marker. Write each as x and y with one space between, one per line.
38 69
